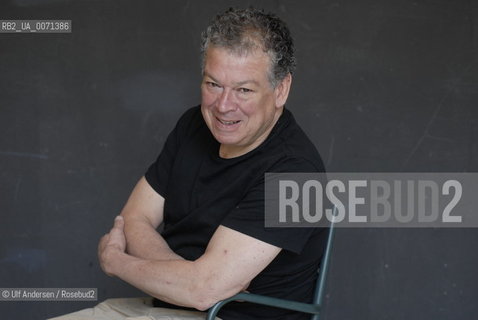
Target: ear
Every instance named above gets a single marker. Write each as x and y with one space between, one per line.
282 91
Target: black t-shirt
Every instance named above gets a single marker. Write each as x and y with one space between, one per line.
203 190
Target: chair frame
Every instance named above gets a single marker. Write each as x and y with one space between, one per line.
313 308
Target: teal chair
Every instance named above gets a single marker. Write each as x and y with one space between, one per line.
314 308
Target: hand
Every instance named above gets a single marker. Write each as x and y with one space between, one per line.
110 245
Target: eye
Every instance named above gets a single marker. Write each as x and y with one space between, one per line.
244 90
212 84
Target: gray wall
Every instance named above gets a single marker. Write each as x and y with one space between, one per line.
381 86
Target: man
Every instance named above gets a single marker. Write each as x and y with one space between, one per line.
207 185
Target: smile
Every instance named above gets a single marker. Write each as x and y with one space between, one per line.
228 123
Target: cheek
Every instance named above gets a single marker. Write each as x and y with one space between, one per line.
206 97
254 109
249 107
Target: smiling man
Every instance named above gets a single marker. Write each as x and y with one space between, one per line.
207 185
239 104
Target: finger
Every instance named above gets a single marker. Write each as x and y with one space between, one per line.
119 223
117 232
103 241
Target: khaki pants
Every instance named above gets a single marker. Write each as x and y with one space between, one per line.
131 309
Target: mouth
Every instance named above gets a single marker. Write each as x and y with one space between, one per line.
228 123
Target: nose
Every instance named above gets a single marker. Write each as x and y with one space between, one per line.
225 102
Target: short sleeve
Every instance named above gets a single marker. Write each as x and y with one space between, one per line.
158 173
248 216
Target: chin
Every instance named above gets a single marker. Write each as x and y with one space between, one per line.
228 141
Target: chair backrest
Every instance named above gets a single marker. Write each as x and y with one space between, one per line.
324 267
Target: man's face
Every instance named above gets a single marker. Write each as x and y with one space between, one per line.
239 105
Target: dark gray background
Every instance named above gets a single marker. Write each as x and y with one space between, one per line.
381 85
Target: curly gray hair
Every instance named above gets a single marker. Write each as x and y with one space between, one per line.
244 30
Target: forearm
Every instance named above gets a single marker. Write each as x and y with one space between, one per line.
179 282
143 241
229 263
142 214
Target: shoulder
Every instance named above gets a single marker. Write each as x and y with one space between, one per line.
295 151
190 117
190 123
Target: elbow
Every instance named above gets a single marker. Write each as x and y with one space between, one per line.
203 298
204 306
205 303
207 294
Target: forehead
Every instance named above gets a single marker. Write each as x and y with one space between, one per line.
226 64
